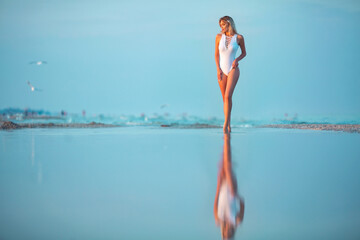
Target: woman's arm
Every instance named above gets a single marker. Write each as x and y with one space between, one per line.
217 56
241 42
240 215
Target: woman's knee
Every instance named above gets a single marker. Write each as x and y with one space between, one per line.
228 97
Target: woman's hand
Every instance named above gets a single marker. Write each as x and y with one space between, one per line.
240 214
235 64
219 74
217 221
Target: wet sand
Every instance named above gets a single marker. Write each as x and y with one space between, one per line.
160 183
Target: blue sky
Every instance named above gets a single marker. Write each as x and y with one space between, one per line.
122 57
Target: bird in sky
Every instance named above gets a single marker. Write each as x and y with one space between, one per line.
38 62
164 106
33 88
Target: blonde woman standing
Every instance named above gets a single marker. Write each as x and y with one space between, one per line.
226 45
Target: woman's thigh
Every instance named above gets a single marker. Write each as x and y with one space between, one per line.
232 80
222 85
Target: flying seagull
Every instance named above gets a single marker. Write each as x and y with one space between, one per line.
38 62
164 106
33 88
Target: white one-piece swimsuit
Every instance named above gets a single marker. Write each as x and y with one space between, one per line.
228 207
227 54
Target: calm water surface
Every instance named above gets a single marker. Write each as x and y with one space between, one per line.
155 183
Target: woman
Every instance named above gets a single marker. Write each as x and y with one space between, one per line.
228 206
226 44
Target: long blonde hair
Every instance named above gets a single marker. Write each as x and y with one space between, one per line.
231 22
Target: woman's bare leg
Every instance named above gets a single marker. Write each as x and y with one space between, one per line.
227 165
232 79
222 85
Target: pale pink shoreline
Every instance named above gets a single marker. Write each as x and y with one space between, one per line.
10 125
352 128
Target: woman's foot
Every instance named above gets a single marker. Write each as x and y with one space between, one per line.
229 129
226 128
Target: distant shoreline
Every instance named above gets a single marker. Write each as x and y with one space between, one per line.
351 128
8 125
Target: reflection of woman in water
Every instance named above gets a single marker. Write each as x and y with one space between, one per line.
226 45
228 206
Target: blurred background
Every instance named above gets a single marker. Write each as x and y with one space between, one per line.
133 57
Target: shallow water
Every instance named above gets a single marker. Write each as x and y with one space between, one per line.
160 183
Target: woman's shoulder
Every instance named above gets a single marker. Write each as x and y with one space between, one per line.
218 38
239 37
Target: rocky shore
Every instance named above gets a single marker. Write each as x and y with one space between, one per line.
7 125
352 128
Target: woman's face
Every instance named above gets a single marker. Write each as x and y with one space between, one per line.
224 25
